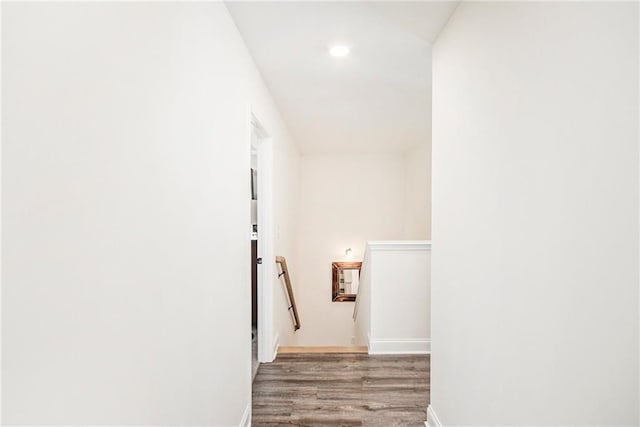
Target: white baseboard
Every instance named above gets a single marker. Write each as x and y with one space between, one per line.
400 346
246 417
432 418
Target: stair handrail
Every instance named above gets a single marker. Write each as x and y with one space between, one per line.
280 260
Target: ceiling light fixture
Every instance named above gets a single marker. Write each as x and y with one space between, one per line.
339 51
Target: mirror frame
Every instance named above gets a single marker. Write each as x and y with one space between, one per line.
336 266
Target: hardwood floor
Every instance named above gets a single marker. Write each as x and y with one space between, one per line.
342 389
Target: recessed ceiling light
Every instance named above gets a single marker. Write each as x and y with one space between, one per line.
339 51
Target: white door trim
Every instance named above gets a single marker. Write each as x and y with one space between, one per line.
264 148
432 418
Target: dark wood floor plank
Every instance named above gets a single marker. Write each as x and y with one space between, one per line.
342 390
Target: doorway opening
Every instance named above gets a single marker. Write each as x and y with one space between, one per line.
262 255
254 257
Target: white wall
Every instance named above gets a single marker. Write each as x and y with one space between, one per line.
400 306
126 213
535 220
346 200
393 309
417 188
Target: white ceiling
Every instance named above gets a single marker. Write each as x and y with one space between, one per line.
377 99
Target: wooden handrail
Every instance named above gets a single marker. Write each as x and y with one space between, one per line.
287 282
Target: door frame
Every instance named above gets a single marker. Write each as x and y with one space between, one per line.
264 149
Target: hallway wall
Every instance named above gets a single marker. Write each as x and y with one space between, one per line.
126 253
535 220
345 200
417 192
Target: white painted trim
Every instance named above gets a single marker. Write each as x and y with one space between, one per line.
246 417
364 276
638 94
400 346
266 270
1 399
386 246
399 245
432 418
276 345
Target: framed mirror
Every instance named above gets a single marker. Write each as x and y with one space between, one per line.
345 281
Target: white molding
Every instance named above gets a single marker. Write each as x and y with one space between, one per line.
276 345
364 276
432 418
246 417
266 271
387 246
400 346
399 245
